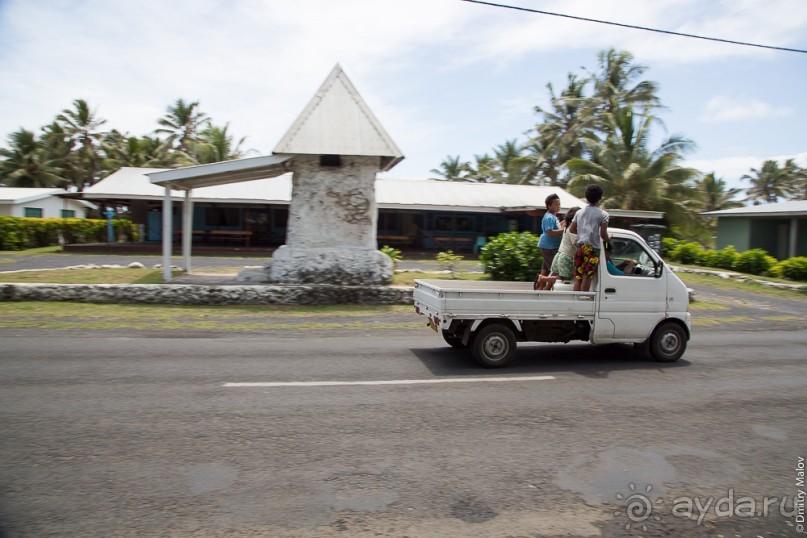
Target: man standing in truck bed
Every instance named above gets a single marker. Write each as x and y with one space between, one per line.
591 226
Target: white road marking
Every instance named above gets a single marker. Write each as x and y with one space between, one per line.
391 382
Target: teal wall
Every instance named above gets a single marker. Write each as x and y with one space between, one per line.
771 235
734 231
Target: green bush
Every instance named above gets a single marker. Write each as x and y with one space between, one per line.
512 256
725 258
794 268
394 254
668 245
707 258
755 262
687 253
18 233
448 261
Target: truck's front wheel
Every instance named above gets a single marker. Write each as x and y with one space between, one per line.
494 345
668 343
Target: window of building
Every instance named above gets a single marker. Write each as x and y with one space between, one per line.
33 212
68 214
222 216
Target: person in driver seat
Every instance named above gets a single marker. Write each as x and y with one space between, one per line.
625 267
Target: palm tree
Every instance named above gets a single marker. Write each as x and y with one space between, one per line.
771 182
25 164
215 144
452 169
614 83
120 150
182 123
81 125
512 166
715 194
632 176
559 136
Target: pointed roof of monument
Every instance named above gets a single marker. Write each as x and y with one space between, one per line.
337 121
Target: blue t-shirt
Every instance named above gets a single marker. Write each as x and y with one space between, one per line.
612 268
549 222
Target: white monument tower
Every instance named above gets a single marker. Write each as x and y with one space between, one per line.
338 146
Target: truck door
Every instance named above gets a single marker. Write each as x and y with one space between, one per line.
631 305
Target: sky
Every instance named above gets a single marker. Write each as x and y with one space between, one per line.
444 77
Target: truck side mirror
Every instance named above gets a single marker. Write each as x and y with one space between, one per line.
659 268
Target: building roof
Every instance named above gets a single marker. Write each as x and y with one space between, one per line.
412 194
458 196
796 208
19 195
337 121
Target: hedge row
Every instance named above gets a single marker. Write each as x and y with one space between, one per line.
755 261
21 233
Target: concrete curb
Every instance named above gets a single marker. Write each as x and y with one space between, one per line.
729 275
189 294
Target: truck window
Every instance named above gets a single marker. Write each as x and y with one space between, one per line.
628 249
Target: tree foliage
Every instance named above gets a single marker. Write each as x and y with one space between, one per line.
76 151
599 128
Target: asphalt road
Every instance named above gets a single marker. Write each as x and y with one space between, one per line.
124 433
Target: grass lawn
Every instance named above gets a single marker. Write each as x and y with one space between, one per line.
693 280
229 318
87 276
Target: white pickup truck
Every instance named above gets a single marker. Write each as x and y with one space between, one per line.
650 306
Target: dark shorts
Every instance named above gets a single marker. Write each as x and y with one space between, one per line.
548 255
586 262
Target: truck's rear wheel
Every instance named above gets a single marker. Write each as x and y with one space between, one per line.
668 343
453 340
494 345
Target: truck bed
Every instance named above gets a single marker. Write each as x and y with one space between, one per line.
463 299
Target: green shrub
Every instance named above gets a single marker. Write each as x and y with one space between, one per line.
725 258
707 258
448 261
754 262
776 270
512 256
18 233
687 252
794 268
394 254
668 245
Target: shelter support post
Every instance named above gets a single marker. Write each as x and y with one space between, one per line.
167 234
794 238
187 230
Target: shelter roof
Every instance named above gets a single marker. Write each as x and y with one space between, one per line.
221 173
134 184
796 208
337 121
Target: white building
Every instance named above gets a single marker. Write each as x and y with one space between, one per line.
39 203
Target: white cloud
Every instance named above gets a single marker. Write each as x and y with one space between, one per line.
724 108
732 169
508 34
